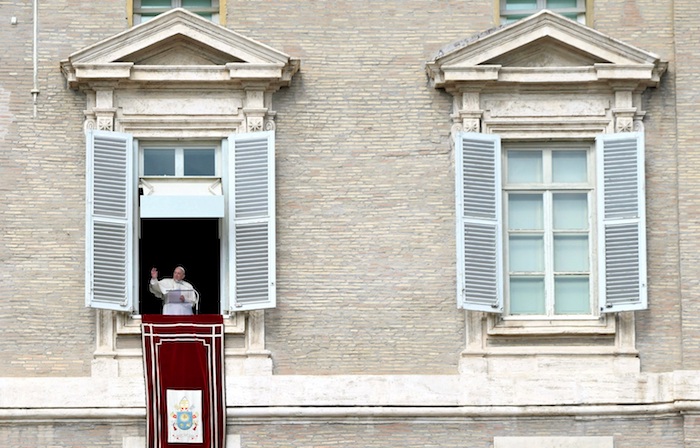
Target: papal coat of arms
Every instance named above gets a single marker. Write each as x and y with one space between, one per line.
184 416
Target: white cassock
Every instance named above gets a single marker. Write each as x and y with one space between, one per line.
169 291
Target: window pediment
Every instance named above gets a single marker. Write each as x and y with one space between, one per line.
546 52
178 46
544 48
179 50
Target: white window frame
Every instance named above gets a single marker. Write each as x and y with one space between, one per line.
248 264
548 188
621 257
507 16
214 10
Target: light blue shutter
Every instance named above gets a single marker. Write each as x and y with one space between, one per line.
621 222
109 221
479 245
250 190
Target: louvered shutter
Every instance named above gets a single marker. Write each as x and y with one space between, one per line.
479 245
109 221
621 226
250 219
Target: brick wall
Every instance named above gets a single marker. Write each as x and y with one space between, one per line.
366 271
650 25
366 274
45 329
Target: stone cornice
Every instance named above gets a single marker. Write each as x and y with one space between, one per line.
391 396
234 58
486 58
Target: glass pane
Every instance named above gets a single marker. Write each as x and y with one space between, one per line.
525 212
569 166
206 15
199 162
519 5
192 4
526 253
570 211
145 4
571 253
158 162
524 167
513 18
527 295
561 4
580 18
571 295
146 17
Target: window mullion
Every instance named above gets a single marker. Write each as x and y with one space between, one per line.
179 162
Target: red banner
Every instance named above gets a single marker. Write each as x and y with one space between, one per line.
184 367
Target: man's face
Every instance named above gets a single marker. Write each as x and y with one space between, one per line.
178 274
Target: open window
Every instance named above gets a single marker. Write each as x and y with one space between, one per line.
180 160
180 136
225 236
193 243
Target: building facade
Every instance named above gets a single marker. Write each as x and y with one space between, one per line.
426 224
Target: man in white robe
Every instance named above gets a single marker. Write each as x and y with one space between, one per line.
178 296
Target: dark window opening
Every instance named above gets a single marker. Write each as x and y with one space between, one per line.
193 243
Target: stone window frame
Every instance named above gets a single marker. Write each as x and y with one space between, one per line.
545 77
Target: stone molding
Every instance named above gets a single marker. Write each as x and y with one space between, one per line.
185 54
549 54
586 393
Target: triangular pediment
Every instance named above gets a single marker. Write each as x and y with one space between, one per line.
545 52
179 46
544 47
179 50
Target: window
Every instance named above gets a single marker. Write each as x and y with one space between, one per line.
512 10
566 228
159 160
234 229
548 197
145 10
180 181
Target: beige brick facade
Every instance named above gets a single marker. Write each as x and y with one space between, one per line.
366 339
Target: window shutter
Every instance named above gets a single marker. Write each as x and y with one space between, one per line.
109 221
479 245
250 201
621 222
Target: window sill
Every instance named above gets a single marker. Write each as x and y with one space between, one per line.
512 326
131 324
